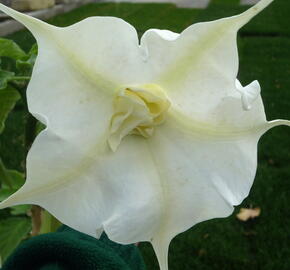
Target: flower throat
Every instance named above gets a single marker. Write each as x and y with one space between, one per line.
137 110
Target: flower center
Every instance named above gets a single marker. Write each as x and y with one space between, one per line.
137 110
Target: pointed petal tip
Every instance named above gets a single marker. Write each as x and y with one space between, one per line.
33 24
5 203
274 123
278 122
12 13
161 249
16 198
246 16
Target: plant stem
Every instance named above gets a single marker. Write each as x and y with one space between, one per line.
48 222
36 219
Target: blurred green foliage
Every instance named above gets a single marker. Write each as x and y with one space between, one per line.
16 229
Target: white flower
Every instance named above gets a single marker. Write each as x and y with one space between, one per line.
143 140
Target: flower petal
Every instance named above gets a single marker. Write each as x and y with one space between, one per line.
70 90
78 68
249 93
203 174
199 66
103 49
115 191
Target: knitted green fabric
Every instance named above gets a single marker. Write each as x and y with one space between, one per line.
68 249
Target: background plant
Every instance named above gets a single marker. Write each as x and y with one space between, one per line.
18 222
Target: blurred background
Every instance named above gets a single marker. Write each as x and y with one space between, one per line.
257 239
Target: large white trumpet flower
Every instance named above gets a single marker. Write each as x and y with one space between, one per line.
142 140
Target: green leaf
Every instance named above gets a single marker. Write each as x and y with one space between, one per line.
6 192
26 64
11 181
12 232
5 77
5 177
20 209
8 99
39 127
17 179
9 48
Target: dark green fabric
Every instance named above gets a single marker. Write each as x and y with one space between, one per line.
68 249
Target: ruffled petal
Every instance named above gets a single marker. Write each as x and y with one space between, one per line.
103 49
198 68
117 192
249 93
76 74
203 174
